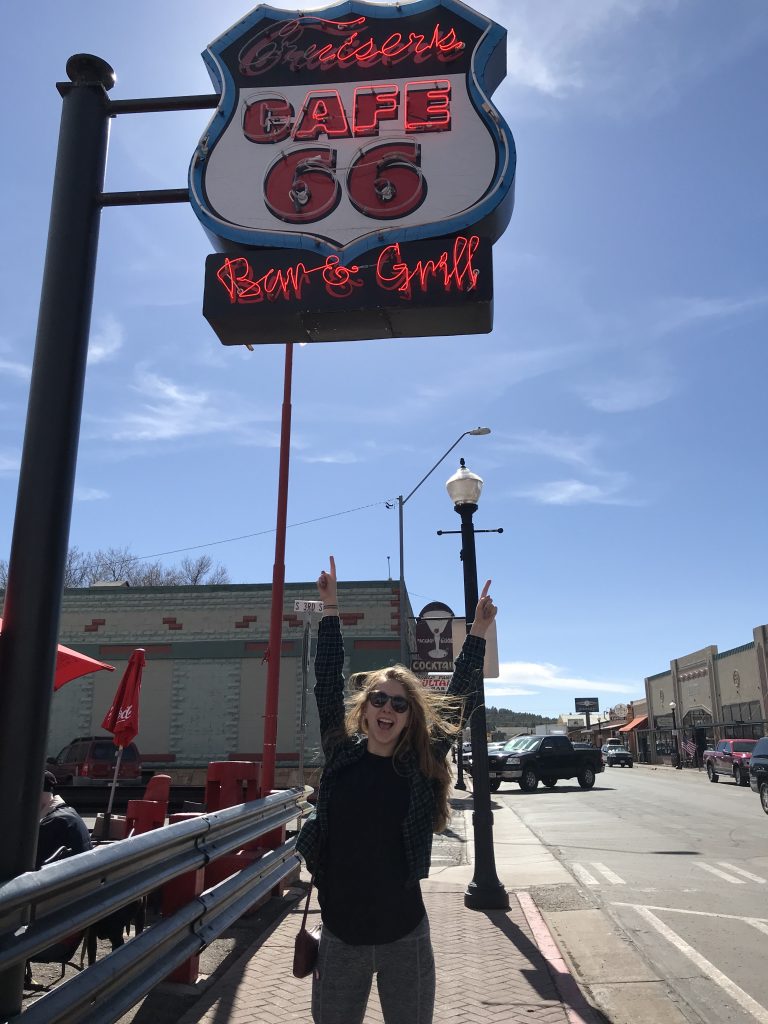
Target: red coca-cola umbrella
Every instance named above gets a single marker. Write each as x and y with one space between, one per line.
71 665
122 719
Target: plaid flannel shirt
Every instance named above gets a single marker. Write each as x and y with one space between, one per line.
341 750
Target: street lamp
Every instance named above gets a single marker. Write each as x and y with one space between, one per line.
404 658
675 737
485 891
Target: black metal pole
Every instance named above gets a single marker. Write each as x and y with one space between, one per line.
460 783
676 741
47 475
485 891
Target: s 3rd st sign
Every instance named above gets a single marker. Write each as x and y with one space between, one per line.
355 173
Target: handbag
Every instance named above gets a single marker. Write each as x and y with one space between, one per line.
306 944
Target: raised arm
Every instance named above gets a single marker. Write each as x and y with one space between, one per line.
468 669
329 662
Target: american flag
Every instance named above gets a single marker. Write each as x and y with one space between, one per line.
689 747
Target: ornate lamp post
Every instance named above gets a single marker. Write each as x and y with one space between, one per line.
485 891
675 737
404 651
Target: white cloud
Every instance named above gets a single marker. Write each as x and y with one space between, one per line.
627 394
90 494
579 492
14 369
678 313
527 679
9 464
332 458
578 451
169 411
105 341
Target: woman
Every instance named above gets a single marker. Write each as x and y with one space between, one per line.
383 792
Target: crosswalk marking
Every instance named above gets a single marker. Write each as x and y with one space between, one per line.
583 875
720 874
612 877
708 969
741 871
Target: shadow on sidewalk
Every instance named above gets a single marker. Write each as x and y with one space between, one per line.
168 1004
538 976
543 976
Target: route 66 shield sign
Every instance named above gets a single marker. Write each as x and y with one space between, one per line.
354 127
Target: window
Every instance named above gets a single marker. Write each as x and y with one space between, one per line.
104 750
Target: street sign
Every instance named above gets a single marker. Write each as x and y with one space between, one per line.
308 606
584 704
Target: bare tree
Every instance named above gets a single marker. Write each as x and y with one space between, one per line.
78 568
199 570
113 565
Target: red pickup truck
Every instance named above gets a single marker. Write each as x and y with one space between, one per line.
730 758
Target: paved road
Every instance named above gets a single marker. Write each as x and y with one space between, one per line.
681 865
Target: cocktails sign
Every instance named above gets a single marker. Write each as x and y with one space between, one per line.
355 150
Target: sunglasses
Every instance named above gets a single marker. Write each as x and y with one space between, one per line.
378 699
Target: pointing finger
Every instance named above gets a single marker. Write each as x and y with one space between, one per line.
486 588
333 567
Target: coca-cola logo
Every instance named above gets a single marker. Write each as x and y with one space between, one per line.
343 44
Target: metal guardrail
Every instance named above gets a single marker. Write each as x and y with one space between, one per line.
71 894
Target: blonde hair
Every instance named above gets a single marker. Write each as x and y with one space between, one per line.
426 722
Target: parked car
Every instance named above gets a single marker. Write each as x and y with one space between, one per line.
758 771
730 758
618 756
90 761
493 748
546 759
583 746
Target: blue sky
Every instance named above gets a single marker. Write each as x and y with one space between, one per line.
623 381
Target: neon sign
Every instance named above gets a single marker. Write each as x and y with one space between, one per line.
278 45
448 280
355 158
451 269
426 105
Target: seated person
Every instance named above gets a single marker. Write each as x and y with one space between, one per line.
60 825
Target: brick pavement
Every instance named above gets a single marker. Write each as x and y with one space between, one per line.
489 969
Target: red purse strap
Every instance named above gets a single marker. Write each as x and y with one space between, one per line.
306 905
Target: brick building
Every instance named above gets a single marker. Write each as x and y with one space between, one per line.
204 684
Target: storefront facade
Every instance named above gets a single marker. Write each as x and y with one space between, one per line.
715 694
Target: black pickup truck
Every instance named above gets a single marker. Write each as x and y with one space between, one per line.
546 759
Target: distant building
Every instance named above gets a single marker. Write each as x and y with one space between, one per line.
716 695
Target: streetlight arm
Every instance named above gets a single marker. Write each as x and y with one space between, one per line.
444 456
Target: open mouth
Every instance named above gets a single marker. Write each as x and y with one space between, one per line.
384 724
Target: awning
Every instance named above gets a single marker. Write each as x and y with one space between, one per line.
634 724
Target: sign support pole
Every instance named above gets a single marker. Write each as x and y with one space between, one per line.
47 475
278 587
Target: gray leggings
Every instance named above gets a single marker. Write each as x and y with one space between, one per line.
405 978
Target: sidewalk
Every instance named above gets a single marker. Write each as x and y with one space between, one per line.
491 966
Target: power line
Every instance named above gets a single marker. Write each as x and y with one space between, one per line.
259 533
